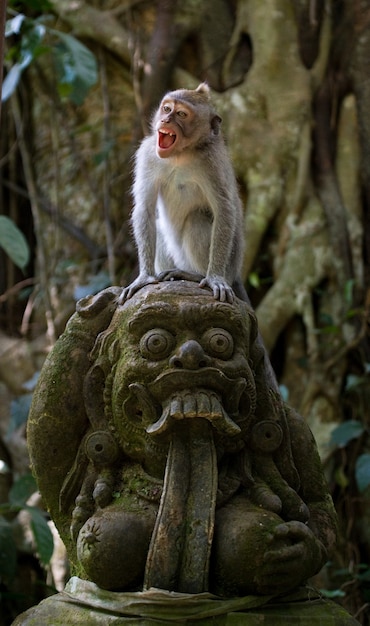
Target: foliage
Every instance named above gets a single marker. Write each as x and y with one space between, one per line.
344 433
75 65
353 430
14 242
350 444
363 471
349 580
76 73
98 282
19 495
26 548
25 537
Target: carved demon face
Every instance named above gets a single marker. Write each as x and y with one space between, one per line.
178 355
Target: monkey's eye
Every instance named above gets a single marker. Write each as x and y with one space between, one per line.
156 344
166 108
218 343
181 113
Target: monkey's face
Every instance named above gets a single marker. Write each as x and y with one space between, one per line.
174 121
183 123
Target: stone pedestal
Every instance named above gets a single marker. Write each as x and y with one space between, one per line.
83 603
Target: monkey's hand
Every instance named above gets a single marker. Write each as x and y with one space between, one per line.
139 282
221 289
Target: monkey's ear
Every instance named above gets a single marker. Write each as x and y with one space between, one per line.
203 88
215 124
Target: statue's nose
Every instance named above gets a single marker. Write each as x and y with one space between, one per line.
190 356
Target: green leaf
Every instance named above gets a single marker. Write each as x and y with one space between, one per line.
362 471
334 593
341 478
254 279
348 290
19 410
97 283
102 156
353 381
13 26
365 576
32 34
353 313
37 5
326 319
347 431
31 42
76 66
8 552
327 330
30 385
10 84
284 392
22 489
42 534
14 242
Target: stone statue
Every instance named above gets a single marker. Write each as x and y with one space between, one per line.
169 461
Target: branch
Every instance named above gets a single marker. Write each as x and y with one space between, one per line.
359 19
328 186
31 185
64 222
99 26
161 55
268 115
360 337
9 293
304 266
106 169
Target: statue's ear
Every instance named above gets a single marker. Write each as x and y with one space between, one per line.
93 390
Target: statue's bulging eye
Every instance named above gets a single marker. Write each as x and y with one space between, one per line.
156 344
219 343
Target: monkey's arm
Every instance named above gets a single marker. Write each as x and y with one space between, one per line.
223 266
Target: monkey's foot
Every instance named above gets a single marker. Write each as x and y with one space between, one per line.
176 274
221 289
141 281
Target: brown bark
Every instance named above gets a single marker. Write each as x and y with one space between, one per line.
328 186
2 29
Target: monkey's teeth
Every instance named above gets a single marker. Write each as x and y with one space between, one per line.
166 138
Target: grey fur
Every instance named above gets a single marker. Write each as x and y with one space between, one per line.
187 212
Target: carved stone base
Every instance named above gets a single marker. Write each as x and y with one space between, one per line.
83 602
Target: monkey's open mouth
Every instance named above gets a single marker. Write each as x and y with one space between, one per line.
166 139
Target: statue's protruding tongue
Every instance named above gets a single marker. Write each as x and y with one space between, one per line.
179 553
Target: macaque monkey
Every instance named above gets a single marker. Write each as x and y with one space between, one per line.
187 214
